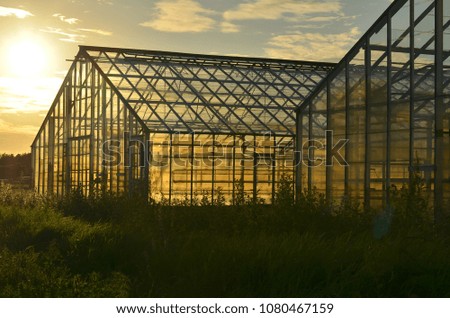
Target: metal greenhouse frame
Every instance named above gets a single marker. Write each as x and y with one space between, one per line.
176 126
390 98
171 125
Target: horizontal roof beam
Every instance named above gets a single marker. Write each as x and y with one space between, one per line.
213 59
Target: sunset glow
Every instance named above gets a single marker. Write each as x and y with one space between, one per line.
27 58
39 40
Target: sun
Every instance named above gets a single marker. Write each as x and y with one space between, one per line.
27 58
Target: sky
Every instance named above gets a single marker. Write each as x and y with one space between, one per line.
38 39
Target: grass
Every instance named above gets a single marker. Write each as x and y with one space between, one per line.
117 246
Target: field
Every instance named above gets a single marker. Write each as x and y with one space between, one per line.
122 246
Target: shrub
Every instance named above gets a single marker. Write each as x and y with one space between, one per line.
313 201
284 196
410 205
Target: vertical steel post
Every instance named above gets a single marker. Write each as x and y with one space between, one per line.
213 170
255 170
412 22
388 109
439 111
367 165
329 158
33 165
298 153
310 146
146 159
170 168
39 177
347 128
104 175
67 134
233 185
92 149
51 154
273 162
192 167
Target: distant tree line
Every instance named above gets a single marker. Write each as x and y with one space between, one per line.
15 168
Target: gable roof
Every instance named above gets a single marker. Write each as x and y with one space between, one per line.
186 93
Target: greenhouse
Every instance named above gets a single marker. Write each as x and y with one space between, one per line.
173 126
389 98
179 127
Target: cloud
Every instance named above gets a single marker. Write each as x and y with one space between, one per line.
16 137
37 96
97 31
17 129
227 27
181 16
66 36
18 13
76 35
312 46
320 22
22 110
66 20
321 19
276 9
105 2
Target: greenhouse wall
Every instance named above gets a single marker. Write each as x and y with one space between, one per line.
68 151
389 99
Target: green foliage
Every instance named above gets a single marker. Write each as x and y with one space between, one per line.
244 198
240 196
108 245
212 199
38 246
219 197
313 201
284 196
29 274
23 198
410 204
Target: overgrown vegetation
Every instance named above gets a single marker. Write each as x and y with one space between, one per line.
121 246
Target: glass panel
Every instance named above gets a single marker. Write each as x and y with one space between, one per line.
446 119
160 164
304 124
447 30
337 125
182 167
317 142
356 126
203 167
424 90
377 137
224 167
400 125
